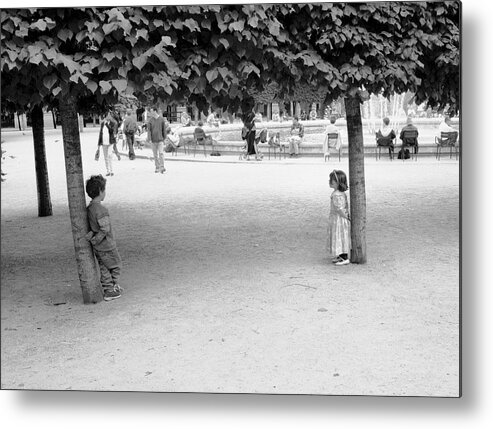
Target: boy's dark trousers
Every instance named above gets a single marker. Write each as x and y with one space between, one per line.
110 265
130 142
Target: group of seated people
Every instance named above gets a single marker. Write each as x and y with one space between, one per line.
297 132
409 135
385 136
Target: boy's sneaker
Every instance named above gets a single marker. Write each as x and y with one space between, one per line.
118 288
111 294
336 259
343 262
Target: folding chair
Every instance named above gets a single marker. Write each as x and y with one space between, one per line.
274 144
447 139
384 143
200 138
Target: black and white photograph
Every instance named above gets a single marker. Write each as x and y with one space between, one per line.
233 198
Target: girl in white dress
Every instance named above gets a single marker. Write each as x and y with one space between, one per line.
338 229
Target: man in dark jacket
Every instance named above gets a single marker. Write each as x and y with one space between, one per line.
406 140
129 129
157 130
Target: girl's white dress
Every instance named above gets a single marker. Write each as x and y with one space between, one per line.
338 228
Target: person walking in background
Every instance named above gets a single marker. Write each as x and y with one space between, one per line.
129 130
157 130
249 133
297 132
107 140
338 229
115 114
102 239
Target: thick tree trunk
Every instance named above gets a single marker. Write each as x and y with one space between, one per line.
86 265
42 182
356 180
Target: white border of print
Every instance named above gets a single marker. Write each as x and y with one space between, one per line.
125 410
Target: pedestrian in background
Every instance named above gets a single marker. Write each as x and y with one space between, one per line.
248 133
129 130
157 130
107 140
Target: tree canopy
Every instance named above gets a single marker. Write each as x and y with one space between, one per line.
382 47
214 53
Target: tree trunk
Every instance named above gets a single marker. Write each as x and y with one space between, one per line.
86 265
356 179
42 182
54 119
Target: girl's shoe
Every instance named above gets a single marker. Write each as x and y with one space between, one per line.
336 259
343 262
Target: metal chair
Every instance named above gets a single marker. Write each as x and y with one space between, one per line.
200 138
332 141
447 139
186 143
410 139
382 142
274 144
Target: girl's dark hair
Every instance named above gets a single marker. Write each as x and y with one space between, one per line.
340 178
95 185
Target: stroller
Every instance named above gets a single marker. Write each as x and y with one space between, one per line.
262 137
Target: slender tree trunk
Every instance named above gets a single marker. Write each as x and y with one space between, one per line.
54 119
42 182
86 265
356 179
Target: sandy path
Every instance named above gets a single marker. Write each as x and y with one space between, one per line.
227 288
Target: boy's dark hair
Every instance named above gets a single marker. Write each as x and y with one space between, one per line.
333 119
200 124
386 121
95 185
340 178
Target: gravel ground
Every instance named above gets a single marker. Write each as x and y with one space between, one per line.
227 284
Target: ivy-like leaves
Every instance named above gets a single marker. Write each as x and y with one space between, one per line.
214 52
